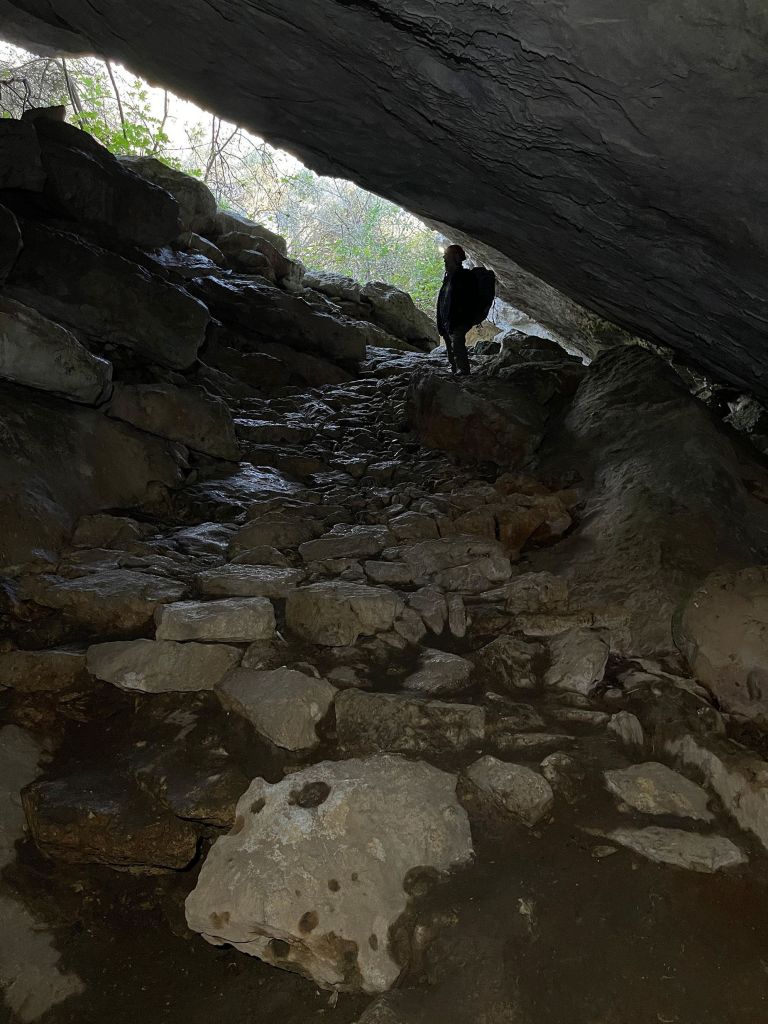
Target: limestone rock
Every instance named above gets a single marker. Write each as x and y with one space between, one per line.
40 354
680 849
105 296
20 164
667 492
50 478
10 242
244 580
347 542
197 204
158 666
195 243
492 423
509 663
628 728
283 705
188 415
577 661
311 877
106 531
227 221
394 311
94 818
233 620
372 722
50 671
513 788
723 632
652 788
260 309
738 776
335 614
85 183
439 674
459 562
113 601
533 592
274 532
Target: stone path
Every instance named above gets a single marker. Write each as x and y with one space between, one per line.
339 681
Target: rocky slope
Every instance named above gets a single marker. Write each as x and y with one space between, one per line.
618 154
419 699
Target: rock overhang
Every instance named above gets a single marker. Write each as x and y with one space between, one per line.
617 155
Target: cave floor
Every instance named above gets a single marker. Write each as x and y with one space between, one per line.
555 923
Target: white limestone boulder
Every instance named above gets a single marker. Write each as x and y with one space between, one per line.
283 705
311 877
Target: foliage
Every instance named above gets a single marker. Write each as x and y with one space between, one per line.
329 223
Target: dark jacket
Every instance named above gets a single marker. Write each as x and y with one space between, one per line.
456 302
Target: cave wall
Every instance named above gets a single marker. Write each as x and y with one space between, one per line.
616 150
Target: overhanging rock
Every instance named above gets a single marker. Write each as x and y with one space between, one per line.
618 154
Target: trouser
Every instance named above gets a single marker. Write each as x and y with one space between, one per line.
456 345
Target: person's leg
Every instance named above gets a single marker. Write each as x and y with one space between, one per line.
449 352
460 357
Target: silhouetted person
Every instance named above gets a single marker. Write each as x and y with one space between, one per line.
456 306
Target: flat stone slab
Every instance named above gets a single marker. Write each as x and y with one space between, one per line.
112 601
158 666
311 876
282 705
373 722
336 613
353 542
680 849
518 790
248 581
236 620
655 789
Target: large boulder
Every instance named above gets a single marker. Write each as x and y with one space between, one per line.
52 477
20 164
258 309
188 415
38 353
665 501
311 878
85 183
489 422
106 297
394 311
197 204
723 632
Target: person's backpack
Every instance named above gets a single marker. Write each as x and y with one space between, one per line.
485 292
